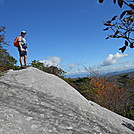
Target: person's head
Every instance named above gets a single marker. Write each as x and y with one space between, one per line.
23 33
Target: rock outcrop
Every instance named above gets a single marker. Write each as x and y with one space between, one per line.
34 102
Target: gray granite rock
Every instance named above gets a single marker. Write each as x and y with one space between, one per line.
34 102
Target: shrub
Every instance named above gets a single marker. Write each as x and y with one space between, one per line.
6 60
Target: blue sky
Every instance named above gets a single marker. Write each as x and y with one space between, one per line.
65 33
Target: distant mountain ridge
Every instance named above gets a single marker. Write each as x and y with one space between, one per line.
120 72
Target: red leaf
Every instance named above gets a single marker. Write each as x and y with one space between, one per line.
120 3
107 38
107 24
132 6
114 1
116 32
130 12
123 49
123 13
105 29
126 43
114 18
109 21
132 45
101 1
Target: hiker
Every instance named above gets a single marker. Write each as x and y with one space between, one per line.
22 48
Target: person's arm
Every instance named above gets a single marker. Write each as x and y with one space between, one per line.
20 46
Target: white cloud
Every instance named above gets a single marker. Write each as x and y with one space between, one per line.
124 62
113 59
51 61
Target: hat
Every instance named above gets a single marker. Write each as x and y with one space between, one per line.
23 32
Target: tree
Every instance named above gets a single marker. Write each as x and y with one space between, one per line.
54 70
122 26
6 60
49 69
126 82
2 36
37 64
107 95
121 2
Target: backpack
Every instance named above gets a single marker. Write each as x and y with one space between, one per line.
16 42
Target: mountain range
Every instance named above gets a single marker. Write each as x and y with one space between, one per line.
86 74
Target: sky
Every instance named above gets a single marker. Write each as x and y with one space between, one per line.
66 33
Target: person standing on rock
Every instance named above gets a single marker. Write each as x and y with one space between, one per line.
22 48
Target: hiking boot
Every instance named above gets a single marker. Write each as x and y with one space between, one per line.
23 67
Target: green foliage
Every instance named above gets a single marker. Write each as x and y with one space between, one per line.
2 36
52 69
37 64
6 60
80 84
16 68
130 111
122 27
117 97
128 83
